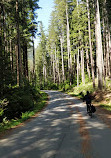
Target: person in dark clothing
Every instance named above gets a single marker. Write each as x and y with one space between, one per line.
87 98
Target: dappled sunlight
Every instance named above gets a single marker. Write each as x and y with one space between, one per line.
36 129
60 130
59 109
43 133
55 100
49 154
97 125
58 122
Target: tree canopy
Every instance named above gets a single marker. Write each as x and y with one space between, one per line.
78 43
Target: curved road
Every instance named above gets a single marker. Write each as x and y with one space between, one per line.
62 130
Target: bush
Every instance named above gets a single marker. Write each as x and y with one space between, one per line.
49 86
83 88
20 100
13 108
54 86
67 86
26 103
3 104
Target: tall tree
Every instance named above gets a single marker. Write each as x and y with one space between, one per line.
90 44
99 51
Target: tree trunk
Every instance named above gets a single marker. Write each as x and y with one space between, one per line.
33 58
82 66
58 71
43 69
19 71
91 56
78 68
110 53
69 47
74 70
4 31
99 51
11 56
25 60
68 40
87 63
63 76
53 68
104 45
108 40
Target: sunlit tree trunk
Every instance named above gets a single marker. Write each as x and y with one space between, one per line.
78 65
68 46
87 63
63 76
53 68
91 56
99 51
58 69
82 66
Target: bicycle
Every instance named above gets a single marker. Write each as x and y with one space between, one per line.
91 110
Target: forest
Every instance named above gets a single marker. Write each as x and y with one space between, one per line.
75 53
77 48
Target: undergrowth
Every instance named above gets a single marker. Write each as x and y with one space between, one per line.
38 106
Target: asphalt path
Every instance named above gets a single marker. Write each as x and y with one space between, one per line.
62 130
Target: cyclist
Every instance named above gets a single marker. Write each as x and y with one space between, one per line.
87 98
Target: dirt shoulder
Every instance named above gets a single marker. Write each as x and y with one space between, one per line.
102 101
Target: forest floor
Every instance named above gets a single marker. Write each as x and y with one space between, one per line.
103 98
102 101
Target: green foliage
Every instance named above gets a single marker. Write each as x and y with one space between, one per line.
27 115
17 18
53 86
20 99
108 83
82 89
87 79
38 106
3 105
49 86
67 86
106 106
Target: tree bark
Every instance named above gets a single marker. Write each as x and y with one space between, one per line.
99 51
25 60
33 58
63 76
53 68
18 49
68 47
91 56
78 68
82 66
58 71
87 63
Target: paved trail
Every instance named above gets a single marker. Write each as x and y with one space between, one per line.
62 130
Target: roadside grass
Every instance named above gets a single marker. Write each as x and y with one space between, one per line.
38 106
106 106
101 98
81 90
